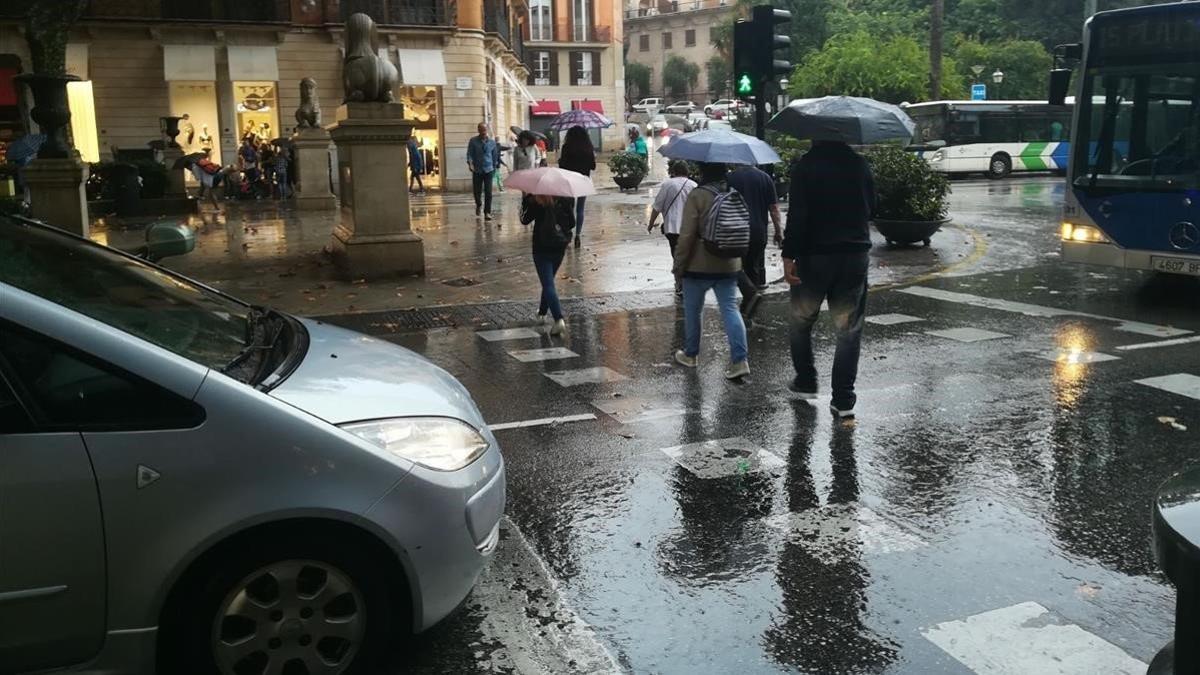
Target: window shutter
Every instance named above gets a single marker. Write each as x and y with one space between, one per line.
554 69
596 69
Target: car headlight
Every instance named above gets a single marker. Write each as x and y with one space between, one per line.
1084 233
440 443
938 156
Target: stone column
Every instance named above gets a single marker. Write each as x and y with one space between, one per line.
312 164
176 188
56 193
374 238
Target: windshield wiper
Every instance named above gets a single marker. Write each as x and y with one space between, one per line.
259 337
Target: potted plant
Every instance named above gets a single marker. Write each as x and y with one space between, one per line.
628 169
912 196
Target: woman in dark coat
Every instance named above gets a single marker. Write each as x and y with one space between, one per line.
578 155
553 219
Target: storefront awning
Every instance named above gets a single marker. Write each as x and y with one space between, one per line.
588 104
189 62
422 67
512 81
545 109
252 63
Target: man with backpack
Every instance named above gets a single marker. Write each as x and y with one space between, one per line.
758 190
714 236
825 257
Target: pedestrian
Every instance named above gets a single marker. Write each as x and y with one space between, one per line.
758 190
637 144
282 159
668 203
248 158
525 155
825 257
578 155
208 174
553 219
416 165
483 157
700 270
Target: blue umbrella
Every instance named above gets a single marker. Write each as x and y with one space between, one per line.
718 146
24 149
857 121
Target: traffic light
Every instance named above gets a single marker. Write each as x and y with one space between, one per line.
755 66
767 42
745 77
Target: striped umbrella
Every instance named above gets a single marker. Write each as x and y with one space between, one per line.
580 118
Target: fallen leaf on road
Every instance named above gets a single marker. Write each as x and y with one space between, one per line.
1172 422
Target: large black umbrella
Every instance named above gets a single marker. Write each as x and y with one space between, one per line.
187 161
857 121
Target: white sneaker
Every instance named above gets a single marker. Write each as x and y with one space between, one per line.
737 370
684 360
559 327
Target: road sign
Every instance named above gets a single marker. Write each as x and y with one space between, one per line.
979 92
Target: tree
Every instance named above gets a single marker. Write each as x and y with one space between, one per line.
637 79
858 64
1023 62
935 48
680 76
718 70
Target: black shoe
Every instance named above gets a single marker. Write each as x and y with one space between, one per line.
478 211
750 307
806 391
578 243
487 216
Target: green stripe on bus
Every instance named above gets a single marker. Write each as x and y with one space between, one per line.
1032 156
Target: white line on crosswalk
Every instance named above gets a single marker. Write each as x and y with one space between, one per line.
1159 343
543 422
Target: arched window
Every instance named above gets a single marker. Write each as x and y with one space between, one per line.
541 20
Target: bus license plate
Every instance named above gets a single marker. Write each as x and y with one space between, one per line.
1176 265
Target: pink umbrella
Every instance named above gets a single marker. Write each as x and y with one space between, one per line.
552 181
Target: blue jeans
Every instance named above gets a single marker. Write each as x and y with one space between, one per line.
842 279
579 202
547 265
694 291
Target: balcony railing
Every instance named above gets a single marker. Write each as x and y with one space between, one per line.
576 33
496 20
266 11
397 12
676 6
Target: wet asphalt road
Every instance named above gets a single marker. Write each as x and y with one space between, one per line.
988 512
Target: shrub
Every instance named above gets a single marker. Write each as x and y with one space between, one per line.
628 164
908 189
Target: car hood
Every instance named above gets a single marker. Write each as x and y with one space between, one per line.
348 376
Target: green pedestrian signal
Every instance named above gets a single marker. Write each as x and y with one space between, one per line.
744 85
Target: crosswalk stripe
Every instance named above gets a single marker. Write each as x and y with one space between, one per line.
542 422
1159 343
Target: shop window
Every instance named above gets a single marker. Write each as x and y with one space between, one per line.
257 110
689 38
422 105
196 103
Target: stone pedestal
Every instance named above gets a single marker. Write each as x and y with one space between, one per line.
176 187
312 166
56 193
375 237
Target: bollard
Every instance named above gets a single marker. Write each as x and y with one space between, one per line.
1176 525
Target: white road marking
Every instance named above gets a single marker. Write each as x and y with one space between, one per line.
508 334
547 354
1073 356
1160 343
1039 311
723 457
1025 639
826 531
523 611
1184 384
543 422
574 378
967 334
892 319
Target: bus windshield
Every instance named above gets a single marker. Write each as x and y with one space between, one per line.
1139 128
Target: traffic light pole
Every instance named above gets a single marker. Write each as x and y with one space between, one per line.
755 65
760 112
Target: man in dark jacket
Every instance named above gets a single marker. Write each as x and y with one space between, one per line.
758 189
825 256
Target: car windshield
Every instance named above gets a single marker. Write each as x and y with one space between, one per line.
123 292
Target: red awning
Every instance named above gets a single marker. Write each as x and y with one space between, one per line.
545 109
588 104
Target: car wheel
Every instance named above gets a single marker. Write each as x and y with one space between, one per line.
292 608
999 166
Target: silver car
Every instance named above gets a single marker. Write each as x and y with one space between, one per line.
190 484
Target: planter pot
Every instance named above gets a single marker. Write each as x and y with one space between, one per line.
50 111
628 182
782 187
170 127
908 231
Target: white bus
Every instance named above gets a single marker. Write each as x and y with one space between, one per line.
992 137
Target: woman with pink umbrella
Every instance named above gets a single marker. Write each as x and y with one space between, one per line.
549 204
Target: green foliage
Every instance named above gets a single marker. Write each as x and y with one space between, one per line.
628 164
894 70
1023 62
908 189
680 76
718 70
637 79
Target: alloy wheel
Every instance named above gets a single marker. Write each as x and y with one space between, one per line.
293 617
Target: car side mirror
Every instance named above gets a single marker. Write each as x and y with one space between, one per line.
1060 85
164 240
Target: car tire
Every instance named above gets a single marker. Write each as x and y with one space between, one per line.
359 591
999 166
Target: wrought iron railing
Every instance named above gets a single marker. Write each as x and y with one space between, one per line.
398 12
243 11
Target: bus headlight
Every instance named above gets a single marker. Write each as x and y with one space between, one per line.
1082 233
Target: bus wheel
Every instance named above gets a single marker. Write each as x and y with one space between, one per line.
1000 166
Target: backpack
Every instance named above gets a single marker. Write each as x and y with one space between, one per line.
726 226
208 166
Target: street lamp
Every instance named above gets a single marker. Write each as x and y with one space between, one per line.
998 77
783 95
978 70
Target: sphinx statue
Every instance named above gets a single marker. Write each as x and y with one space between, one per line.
308 115
366 77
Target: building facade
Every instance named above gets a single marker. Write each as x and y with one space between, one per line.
658 29
234 66
573 53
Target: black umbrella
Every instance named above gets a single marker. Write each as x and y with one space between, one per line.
857 121
187 161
